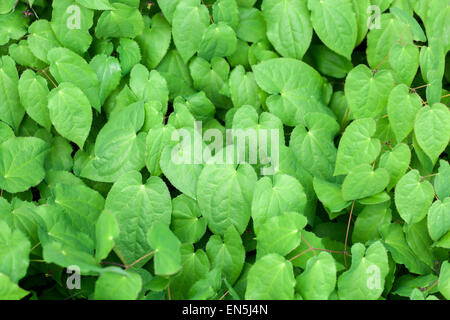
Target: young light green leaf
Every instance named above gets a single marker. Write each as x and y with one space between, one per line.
366 277
280 234
67 66
439 219
219 40
115 286
357 146
367 93
413 197
137 207
22 164
154 42
318 280
288 26
187 223
190 21
33 93
335 23
227 254
122 22
14 252
224 195
108 73
402 109
270 278
11 111
396 162
9 290
362 181
167 249
273 198
70 112
432 129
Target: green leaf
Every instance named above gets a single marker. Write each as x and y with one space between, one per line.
404 61
224 195
118 147
14 252
226 11
115 286
272 198
81 204
367 93
318 280
413 197
96 4
270 278
195 266
219 40
190 21
11 111
42 39
7 6
167 249
123 22
366 277
444 280
328 62
362 15
129 54
288 26
243 88
33 93
280 234
335 23
182 174
106 230
417 31
73 123
441 185
362 181
402 109
396 162
187 223
357 146
155 42
395 242
108 73
330 195
439 218
314 145
176 73
227 254
70 24
67 66
381 40
137 207
13 25
369 222
252 26
432 129
419 242
157 139
22 164
295 88
9 290
168 8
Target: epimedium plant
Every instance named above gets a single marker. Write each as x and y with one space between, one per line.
93 205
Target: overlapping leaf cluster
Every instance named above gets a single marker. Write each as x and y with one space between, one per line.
91 92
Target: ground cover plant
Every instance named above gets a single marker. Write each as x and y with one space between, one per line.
116 117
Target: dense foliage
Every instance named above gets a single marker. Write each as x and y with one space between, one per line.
94 206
